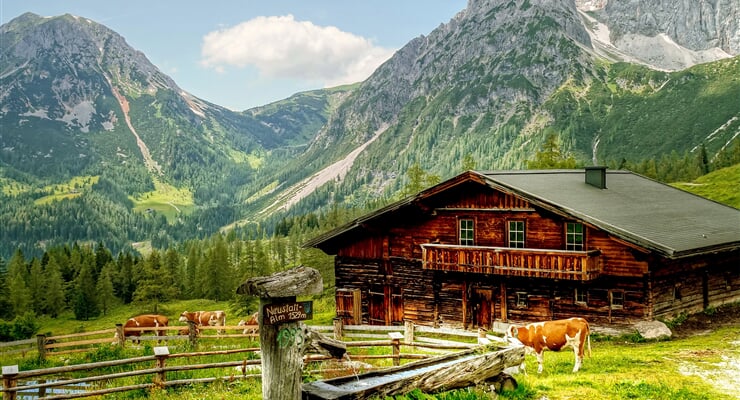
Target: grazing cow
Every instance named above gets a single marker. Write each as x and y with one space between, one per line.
553 335
209 318
251 325
152 321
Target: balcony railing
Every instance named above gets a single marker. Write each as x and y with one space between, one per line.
535 263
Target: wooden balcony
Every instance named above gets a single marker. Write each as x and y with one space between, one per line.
534 263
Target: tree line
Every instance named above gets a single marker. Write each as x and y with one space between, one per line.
89 280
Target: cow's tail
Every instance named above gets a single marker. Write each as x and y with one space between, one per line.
588 343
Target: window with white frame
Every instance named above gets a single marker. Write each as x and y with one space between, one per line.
573 236
516 234
467 232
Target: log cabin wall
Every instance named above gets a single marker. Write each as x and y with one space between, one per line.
696 283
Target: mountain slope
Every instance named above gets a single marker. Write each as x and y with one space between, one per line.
494 82
97 144
78 101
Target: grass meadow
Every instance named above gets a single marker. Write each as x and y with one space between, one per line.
705 365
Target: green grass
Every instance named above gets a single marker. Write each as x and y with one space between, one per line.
618 368
721 186
165 199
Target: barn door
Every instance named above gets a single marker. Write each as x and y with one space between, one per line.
349 306
482 303
385 305
397 306
376 306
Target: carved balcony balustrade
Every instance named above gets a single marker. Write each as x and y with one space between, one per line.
534 263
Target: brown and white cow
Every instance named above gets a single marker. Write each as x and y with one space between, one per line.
553 335
251 325
152 321
209 318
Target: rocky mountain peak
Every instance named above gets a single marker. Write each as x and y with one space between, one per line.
667 34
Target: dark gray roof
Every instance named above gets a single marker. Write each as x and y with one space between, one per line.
637 209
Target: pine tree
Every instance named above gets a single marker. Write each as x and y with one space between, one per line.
550 156
153 287
106 297
19 296
85 301
36 286
54 301
172 270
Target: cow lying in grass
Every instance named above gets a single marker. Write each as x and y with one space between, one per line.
251 325
205 318
553 335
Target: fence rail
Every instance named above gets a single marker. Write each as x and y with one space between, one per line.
42 380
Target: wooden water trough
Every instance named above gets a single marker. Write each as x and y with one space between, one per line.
451 371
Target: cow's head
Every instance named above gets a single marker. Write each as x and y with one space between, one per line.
512 335
184 316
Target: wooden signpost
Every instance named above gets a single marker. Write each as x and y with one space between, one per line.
283 338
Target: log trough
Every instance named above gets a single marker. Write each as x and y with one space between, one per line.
451 371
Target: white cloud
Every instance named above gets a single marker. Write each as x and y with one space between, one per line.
281 47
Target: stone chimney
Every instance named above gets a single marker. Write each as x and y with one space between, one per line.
596 176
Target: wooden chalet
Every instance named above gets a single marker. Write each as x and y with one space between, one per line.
610 246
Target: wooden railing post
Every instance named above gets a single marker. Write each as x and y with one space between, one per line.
119 335
161 352
41 345
408 331
192 333
9 374
338 328
282 335
396 345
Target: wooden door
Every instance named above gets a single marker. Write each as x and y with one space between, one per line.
397 306
376 306
349 306
482 303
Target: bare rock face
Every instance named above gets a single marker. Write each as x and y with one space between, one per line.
670 34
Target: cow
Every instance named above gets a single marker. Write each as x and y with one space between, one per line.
152 321
186 331
553 335
205 318
251 325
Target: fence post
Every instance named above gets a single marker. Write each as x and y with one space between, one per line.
396 345
192 333
119 335
41 345
161 352
338 328
9 374
282 336
408 331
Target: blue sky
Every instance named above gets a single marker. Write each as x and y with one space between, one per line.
241 53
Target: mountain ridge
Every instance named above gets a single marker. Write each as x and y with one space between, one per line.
491 85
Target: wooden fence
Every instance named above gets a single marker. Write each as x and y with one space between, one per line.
45 383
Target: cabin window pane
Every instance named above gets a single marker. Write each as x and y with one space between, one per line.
516 234
521 299
616 298
574 236
580 296
467 232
